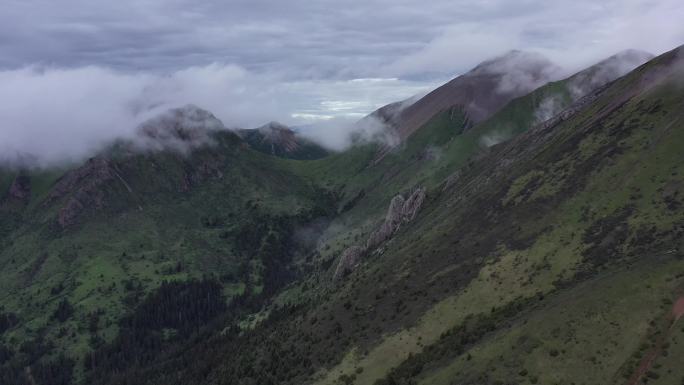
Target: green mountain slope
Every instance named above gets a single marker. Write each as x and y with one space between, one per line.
575 207
439 149
558 249
94 239
552 256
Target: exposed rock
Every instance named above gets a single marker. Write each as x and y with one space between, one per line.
82 188
400 211
451 180
412 204
393 219
348 260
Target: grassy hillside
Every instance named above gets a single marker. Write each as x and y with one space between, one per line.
369 176
159 217
559 212
558 247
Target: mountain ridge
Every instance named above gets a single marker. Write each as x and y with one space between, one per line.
508 261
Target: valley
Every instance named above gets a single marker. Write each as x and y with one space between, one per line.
533 236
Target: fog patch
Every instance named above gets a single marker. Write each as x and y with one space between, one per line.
606 71
180 129
520 72
433 153
54 116
338 134
549 107
494 139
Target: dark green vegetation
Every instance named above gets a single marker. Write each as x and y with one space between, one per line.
544 253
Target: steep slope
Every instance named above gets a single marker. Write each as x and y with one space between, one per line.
467 261
82 246
439 149
477 94
555 257
531 256
549 100
279 140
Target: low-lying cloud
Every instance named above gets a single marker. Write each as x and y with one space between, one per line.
52 115
113 65
340 133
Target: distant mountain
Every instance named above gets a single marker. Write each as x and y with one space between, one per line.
184 128
547 101
477 94
279 140
540 243
606 71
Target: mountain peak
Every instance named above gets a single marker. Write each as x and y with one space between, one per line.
477 93
517 61
277 139
179 128
273 128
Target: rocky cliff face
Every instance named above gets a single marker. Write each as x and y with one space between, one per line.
81 188
401 210
177 132
348 260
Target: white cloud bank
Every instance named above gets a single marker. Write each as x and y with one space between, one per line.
297 62
56 115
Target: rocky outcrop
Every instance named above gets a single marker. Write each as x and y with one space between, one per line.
393 220
413 204
451 180
401 210
82 188
348 260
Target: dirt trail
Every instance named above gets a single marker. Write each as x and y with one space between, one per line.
647 361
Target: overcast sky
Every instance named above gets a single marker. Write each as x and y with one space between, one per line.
83 67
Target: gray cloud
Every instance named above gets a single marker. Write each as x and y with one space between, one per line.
77 73
67 114
323 38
